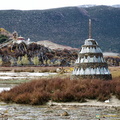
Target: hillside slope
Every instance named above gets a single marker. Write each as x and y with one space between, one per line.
67 26
52 45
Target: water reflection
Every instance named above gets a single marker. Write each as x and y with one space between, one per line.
4 88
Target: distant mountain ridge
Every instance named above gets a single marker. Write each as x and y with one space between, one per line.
117 5
67 26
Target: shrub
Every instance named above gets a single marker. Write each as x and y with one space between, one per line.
39 98
63 96
61 90
115 87
5 96
23 98
117 91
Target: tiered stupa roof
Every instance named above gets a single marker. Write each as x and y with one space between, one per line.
90 62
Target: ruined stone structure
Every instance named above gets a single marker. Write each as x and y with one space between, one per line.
90 62
20 39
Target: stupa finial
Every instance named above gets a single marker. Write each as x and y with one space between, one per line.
90 29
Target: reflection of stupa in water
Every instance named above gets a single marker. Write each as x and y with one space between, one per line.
90 62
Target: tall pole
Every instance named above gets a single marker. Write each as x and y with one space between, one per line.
90 29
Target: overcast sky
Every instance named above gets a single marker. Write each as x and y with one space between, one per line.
47 4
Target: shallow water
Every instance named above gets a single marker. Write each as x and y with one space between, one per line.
4 88
22 75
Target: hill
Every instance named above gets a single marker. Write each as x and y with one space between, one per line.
67 26
52 45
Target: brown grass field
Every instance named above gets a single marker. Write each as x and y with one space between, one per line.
61 89
33 69
113 70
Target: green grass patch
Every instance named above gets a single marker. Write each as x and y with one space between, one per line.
14 81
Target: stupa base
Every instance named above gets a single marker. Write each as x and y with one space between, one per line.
102 77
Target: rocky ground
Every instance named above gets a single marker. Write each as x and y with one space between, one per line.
59 112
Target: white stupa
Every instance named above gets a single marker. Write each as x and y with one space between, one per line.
90 62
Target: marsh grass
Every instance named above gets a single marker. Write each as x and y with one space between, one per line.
14 81
30 69
23 70
61 90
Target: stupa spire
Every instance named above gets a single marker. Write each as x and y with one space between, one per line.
90 29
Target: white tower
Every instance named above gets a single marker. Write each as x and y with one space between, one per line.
90 62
